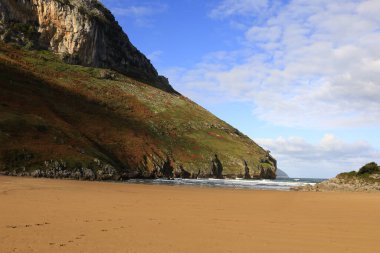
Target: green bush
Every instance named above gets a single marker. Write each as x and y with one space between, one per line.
369 168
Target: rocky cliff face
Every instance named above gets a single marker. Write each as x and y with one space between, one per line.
82 31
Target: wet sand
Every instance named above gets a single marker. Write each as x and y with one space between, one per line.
43 215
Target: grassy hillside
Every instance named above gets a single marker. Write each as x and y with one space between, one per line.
369 172
366 179
81 117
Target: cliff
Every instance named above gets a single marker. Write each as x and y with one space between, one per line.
82 31
108 116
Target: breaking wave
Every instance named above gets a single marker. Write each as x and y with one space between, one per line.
263 184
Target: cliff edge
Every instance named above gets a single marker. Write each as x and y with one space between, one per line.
83 32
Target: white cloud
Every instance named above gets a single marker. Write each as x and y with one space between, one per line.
327 158
155 55
310 63
238 7
141 14
133 11
139 10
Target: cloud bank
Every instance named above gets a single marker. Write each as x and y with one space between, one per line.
312 64
328 157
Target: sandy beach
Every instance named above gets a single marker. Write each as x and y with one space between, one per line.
43 215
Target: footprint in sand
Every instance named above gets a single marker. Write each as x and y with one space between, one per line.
27 225
79 237
40 224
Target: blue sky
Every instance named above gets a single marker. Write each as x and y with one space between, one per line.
300 77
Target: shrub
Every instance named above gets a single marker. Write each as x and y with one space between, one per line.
369 168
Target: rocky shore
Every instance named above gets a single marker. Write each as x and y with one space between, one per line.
100 171
367 179
342 185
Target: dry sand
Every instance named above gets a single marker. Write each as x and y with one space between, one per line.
42 215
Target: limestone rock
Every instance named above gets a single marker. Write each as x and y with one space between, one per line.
216 167
167 169
182 173
88 174
81 31
267 173
246 171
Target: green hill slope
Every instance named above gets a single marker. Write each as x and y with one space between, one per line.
84 122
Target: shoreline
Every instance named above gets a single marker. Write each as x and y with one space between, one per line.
47 215
280 184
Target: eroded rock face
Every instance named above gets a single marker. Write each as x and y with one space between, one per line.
82 31
182 173
246 171
267 173
216 167
60 169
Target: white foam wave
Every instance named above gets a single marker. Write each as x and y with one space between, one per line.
233 183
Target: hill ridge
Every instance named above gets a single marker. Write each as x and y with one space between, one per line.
95 121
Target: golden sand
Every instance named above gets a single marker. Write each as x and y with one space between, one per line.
42 215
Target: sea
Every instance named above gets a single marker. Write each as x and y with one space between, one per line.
281 184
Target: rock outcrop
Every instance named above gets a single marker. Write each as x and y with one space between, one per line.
267 173
367 179
246 171
182 173
82 31
167 169
216 169
61 170
267 167
342 185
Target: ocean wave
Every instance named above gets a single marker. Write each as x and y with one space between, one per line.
263 184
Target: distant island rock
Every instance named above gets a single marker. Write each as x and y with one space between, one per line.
367 179
281 174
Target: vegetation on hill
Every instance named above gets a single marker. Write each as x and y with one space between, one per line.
369 172
366 179
96 122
